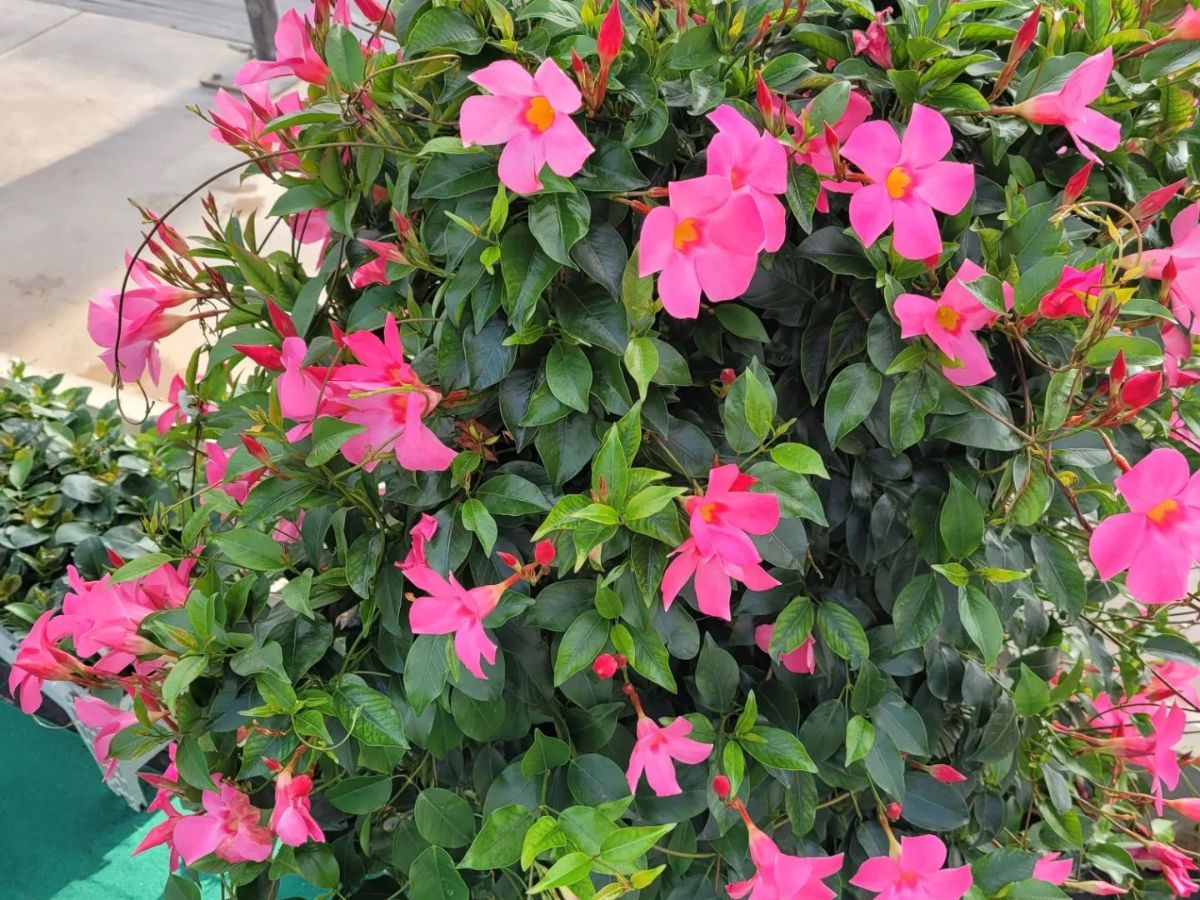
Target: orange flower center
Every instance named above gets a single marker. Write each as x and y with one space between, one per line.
539 114
897 183
686 234
1163 512
907 878
948 317
736 177
708 511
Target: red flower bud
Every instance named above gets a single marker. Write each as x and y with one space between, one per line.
728 376
1076 184
628 690
721 787
1155 201
605 666
543 552
257 450
622 660
272 764
280 320
893 811
1170 270
1116 372
577 65
509 560
1026 34
1188 806
946 774
764 100
265 355
611 36
1141 390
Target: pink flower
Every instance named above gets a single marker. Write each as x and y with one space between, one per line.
1159 538
1177 352
240 122
311 227
909 181
874 42
1051 869
40 660
1187 26
294 55
383 393
657 749
450 608
946 774
174 413
815 150
301 388
137 324
755 164
1186 806
531 116
721 522
950 322
802 660
108 720
1068 106
215 466
1098 888
291 819
229 827
287 531
1175 865
1184 257
1157 754
780 876
163 832
1070 296
914 873
706 240
375 271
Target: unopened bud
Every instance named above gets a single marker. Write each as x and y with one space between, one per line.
605 666
728 376
721 787
893 810
544 552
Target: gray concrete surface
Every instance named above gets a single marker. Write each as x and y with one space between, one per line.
95 110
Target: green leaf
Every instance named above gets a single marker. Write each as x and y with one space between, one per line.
558 222
344 55
477 520
367 714
792 626
917 612
803 189
717 677
296 593
849 400
696 48
1031 695
629 844
443 28
860 737
511 495
641 360
931 805
499 842
361 795
182 674
251 550
742 322
582 643
527 272
444 818
139 567
799 458
842 633
568 870
777 748
432 876
961 522
981 621
546 753
913 399
1057 572
569 375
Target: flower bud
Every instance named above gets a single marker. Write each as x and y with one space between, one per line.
1187 806
893 810
1154 202
543 552
728 376
605 666
509 560
946 774
611 36
1076 184
1026 34
1141 390
721 787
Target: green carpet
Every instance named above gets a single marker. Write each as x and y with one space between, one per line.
65 835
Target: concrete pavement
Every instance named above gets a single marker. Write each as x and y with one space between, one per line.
95 110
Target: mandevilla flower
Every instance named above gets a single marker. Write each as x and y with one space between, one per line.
781 876
909 180
950 322
1068 106
706 240
294 55
241 122
1051 869
914 872
946 774
107 720
39 659
656 751
1158 540
1183 256
815 150
230 827
1175 865
755 164
1071 295
531 116
873 43
291 819
802 660
721 522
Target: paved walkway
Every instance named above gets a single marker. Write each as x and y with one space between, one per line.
95 113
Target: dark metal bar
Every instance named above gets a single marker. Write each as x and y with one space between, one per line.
263 18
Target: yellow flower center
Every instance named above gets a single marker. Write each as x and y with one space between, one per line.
708 511
897 183
948 317
540 113
736 177
1163 512
686 234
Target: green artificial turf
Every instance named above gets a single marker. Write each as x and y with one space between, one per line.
64 835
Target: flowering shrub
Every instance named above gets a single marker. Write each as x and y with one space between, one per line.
715 448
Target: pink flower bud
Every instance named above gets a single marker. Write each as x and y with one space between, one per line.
728 376
543 552
1026 34
611 36
1141 390
721 787
509 560
1188 806
1076 184
946 774
893 811
605 666
1155 201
